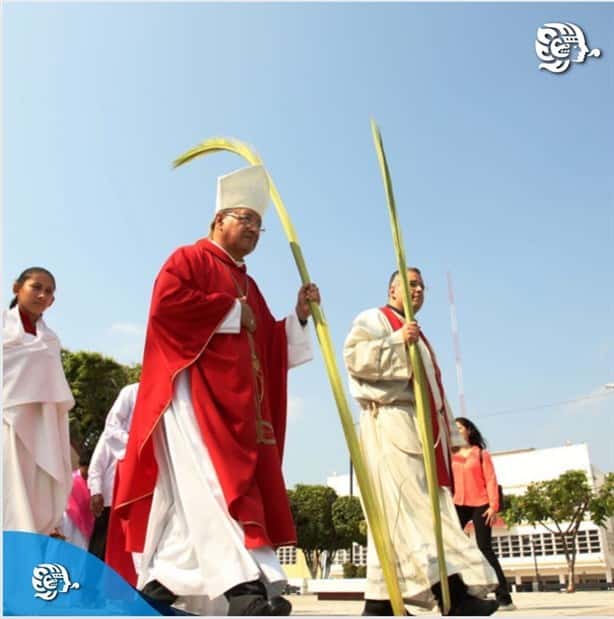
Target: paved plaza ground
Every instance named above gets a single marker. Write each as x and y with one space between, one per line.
592 603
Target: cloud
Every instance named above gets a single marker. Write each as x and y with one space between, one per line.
128 328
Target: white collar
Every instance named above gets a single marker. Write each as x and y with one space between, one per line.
239 263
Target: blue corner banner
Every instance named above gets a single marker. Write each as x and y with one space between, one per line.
46 576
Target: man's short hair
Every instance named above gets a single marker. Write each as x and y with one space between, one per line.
392 277
218 215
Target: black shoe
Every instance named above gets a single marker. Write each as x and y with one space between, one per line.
280 607
155 590
377 608
248 598
471 606
160 598
242 605
458 592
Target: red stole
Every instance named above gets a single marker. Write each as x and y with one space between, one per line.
78 508
28 325
444 473
238 385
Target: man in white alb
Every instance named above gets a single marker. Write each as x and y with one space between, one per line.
376 360
110 448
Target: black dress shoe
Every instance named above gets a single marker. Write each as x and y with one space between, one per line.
155 590
377 608
160 598
280 607
243 605
471 606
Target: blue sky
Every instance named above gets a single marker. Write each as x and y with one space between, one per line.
502 174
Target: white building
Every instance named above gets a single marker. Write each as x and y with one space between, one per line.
531 554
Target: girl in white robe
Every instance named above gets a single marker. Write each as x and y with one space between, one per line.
36 398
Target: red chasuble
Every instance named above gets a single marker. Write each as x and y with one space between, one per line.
444 473
238 384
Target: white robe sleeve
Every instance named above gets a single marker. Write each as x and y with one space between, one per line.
117 423
373 355
99 463
299 341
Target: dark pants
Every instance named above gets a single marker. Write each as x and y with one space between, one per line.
483 536
98 541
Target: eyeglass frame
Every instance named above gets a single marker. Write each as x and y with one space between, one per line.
246 220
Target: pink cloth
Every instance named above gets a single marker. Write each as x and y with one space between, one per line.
475 481
78 509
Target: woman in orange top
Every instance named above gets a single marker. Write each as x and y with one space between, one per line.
476 497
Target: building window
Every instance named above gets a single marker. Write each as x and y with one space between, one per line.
526 546
540 544
515 540
360 554
504 543
287 555
537 544
560 545
593 541
582 539
342 556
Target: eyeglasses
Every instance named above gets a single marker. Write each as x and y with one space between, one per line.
247 221
414 283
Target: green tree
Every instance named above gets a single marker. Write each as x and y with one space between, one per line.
312 511
560 505
95 381
349 522
324 524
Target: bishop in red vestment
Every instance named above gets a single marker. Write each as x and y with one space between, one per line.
201 483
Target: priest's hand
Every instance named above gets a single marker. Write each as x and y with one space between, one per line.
248 320
307 292
97 504
411 332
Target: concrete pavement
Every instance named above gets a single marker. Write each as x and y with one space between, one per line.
593 603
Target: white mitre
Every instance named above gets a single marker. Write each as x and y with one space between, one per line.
244 188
